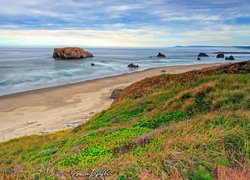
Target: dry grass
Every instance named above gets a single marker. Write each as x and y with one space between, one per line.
240 173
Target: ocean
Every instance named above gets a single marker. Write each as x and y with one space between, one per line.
24 69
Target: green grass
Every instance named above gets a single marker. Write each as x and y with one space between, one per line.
170 126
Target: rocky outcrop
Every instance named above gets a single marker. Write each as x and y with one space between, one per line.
220 55
115 93
71 53
203 55
230 58
198 59
133 66
161 55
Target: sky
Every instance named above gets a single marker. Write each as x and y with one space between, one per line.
125 23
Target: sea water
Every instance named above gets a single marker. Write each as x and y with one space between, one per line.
23 69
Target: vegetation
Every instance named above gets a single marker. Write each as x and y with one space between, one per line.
193 125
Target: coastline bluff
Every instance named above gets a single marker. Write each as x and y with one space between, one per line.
71 53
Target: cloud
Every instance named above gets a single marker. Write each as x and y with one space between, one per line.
88 38
142 37
115 23
123 7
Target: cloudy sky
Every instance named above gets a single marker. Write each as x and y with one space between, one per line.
125 23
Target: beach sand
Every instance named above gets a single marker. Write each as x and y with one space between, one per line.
52 109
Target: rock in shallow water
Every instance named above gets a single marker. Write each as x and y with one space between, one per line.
71 53
133 66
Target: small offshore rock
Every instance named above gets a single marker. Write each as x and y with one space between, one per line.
92 64
220 55
133 66
161 55
115 93
198 59
230 58
203 55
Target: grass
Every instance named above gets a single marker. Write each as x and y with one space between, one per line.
193 125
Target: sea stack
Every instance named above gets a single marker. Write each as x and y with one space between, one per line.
71 53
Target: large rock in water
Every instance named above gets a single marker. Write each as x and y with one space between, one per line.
71 53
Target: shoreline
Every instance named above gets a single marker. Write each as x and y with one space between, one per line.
100 78
56 108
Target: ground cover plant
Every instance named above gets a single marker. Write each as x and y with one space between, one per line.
193 125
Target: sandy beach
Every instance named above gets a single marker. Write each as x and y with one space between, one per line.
52 109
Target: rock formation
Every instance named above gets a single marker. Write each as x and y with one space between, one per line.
115 93
230 58
71 53
202 55
220 55
161 55
133 66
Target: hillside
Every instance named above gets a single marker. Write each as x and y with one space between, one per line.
193 125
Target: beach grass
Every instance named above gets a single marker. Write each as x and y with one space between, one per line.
193 125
